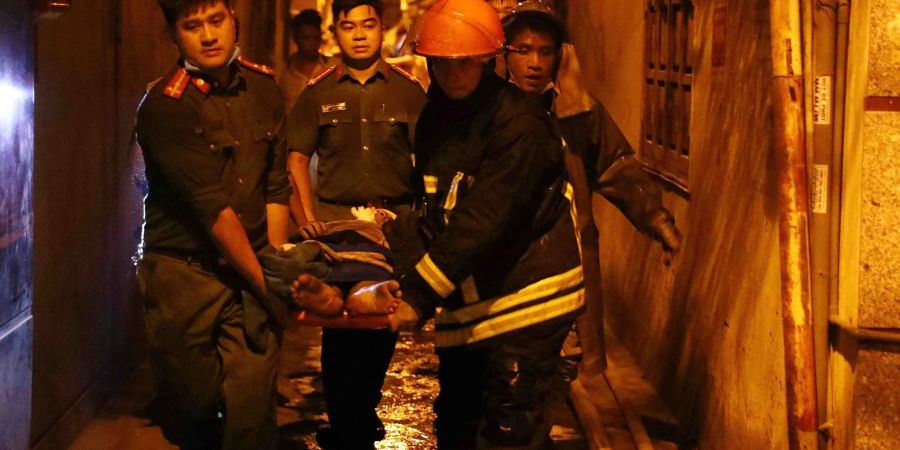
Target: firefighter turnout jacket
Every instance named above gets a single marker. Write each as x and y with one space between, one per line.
500 251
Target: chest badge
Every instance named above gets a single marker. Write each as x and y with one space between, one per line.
333 107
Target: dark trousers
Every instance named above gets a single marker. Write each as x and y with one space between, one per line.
493 393
205 365
354 363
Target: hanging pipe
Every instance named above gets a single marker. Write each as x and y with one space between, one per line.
793 227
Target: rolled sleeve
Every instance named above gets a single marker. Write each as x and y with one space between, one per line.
278 188
166 131
621 178
303 125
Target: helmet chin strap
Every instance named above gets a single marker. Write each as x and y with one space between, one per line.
191 66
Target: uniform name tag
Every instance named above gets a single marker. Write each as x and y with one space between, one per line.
342 106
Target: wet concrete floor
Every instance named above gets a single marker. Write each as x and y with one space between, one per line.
409 390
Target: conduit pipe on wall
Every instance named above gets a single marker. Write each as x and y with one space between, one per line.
793 227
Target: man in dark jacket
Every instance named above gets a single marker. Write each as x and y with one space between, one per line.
598 157
499 268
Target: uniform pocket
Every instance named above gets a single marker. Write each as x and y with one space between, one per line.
391 116
336 132
265 131
217 136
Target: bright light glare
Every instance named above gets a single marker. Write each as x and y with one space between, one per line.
12 104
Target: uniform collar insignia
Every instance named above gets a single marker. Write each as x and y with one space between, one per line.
203 86
176 86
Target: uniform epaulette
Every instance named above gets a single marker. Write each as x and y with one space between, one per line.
177 84
152 84
200 84
321 76
265 70
405 74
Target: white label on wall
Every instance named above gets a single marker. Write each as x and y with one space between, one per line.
819 195
822 100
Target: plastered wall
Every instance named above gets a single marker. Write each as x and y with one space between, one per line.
706 329
880 274
878 368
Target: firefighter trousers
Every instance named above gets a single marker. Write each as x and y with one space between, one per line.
493 394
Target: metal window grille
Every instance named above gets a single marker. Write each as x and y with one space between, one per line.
670 58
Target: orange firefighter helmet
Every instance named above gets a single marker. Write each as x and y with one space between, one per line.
459 29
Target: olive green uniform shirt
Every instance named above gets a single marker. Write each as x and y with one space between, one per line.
206 148
363 133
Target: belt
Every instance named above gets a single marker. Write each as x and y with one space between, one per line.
189 256
378 202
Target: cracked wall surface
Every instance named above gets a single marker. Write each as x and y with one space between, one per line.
879 303
884 38
878 369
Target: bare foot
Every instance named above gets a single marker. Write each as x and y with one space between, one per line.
312 295
371 298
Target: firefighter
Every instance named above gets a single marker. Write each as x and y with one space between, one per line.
358 117
599 159
210 133
498 266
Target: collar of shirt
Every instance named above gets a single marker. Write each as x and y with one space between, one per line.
237 80
381 71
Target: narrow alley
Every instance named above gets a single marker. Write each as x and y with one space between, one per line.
731 170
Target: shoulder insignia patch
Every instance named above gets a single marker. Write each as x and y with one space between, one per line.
176 86
203 86
321 76
265 70
152 84
405 74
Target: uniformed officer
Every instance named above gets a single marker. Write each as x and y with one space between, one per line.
211 132
359 117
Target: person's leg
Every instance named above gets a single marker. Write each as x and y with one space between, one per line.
519 372
181 305
459 403
249 384
354 363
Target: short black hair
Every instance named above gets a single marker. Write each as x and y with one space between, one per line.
174 9
536 23
344 6
306 18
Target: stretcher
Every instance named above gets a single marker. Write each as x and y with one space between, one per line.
344 322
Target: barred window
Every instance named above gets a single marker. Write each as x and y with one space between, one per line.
666 123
